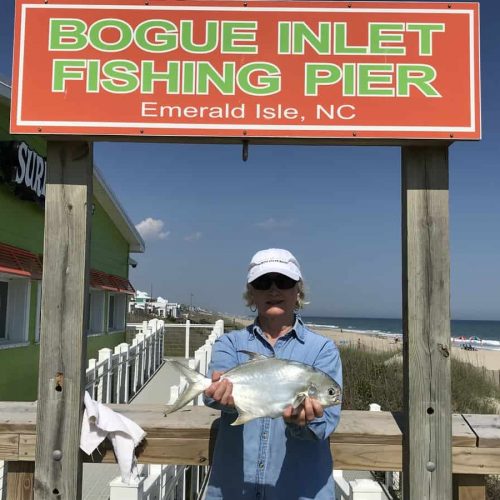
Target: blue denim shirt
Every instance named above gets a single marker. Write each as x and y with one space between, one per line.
267 458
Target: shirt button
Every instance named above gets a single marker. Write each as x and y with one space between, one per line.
261 465
264 435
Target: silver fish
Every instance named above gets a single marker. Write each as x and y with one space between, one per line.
264 386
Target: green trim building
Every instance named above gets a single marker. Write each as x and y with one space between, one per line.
113 239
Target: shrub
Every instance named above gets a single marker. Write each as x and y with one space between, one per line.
369 379
492 487
377 377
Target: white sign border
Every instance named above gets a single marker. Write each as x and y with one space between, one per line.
211 126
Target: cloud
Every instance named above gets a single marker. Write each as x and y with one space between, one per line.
152 229
272 223
193 237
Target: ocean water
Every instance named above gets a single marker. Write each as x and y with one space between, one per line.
480 334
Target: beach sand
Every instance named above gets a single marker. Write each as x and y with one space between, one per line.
482 357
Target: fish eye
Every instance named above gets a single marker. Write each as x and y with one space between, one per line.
331 391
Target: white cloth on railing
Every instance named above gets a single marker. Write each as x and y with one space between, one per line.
100 422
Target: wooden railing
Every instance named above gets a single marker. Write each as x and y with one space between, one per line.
362 441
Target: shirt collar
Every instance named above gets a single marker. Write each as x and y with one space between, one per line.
298 329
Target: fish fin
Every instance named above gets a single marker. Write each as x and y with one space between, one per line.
196 384
243 417
299 399
254 355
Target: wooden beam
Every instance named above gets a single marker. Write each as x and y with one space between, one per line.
63 342
427 458
486 428
20 480
469 487
363 440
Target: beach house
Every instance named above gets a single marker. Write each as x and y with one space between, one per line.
113 239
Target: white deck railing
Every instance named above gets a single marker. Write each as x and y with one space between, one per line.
162 482
117 375
179 482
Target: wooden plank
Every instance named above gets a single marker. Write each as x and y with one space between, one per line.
426 323
181 451
190 422
476 460
63 341
357 456
199 421
486 428
27 447
9 446
20 478
17 416
462 433
367 427
349 456
469 487
195 421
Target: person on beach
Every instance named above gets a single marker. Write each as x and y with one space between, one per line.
283 458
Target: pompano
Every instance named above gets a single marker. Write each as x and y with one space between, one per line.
264 386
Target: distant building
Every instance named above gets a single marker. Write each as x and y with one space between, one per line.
139 301
159 306
165 308
113 238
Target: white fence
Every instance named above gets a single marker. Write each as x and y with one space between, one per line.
180 482
116 376
170 482
202 357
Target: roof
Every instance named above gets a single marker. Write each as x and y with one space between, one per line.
4 88
109 202
20 262
103 194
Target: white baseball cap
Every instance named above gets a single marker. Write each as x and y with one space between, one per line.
273 260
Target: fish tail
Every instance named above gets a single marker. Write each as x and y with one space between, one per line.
196 384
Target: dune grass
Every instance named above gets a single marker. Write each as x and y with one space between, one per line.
377 377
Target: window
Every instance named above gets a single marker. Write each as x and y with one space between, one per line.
96 311
111 313
4 290
117 311
38 324
14 309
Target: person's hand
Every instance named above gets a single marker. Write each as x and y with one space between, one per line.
304 413
220 390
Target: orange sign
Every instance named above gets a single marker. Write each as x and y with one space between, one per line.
247 69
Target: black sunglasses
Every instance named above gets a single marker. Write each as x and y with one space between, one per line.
281 281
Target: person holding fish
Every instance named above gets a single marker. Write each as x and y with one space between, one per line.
283 382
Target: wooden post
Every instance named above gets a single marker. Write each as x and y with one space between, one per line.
469 487
63 342
20 480
427 457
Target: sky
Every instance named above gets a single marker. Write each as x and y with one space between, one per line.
203 212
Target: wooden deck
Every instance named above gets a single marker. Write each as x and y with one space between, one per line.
363 440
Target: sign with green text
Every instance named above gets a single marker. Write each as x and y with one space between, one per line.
363 70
